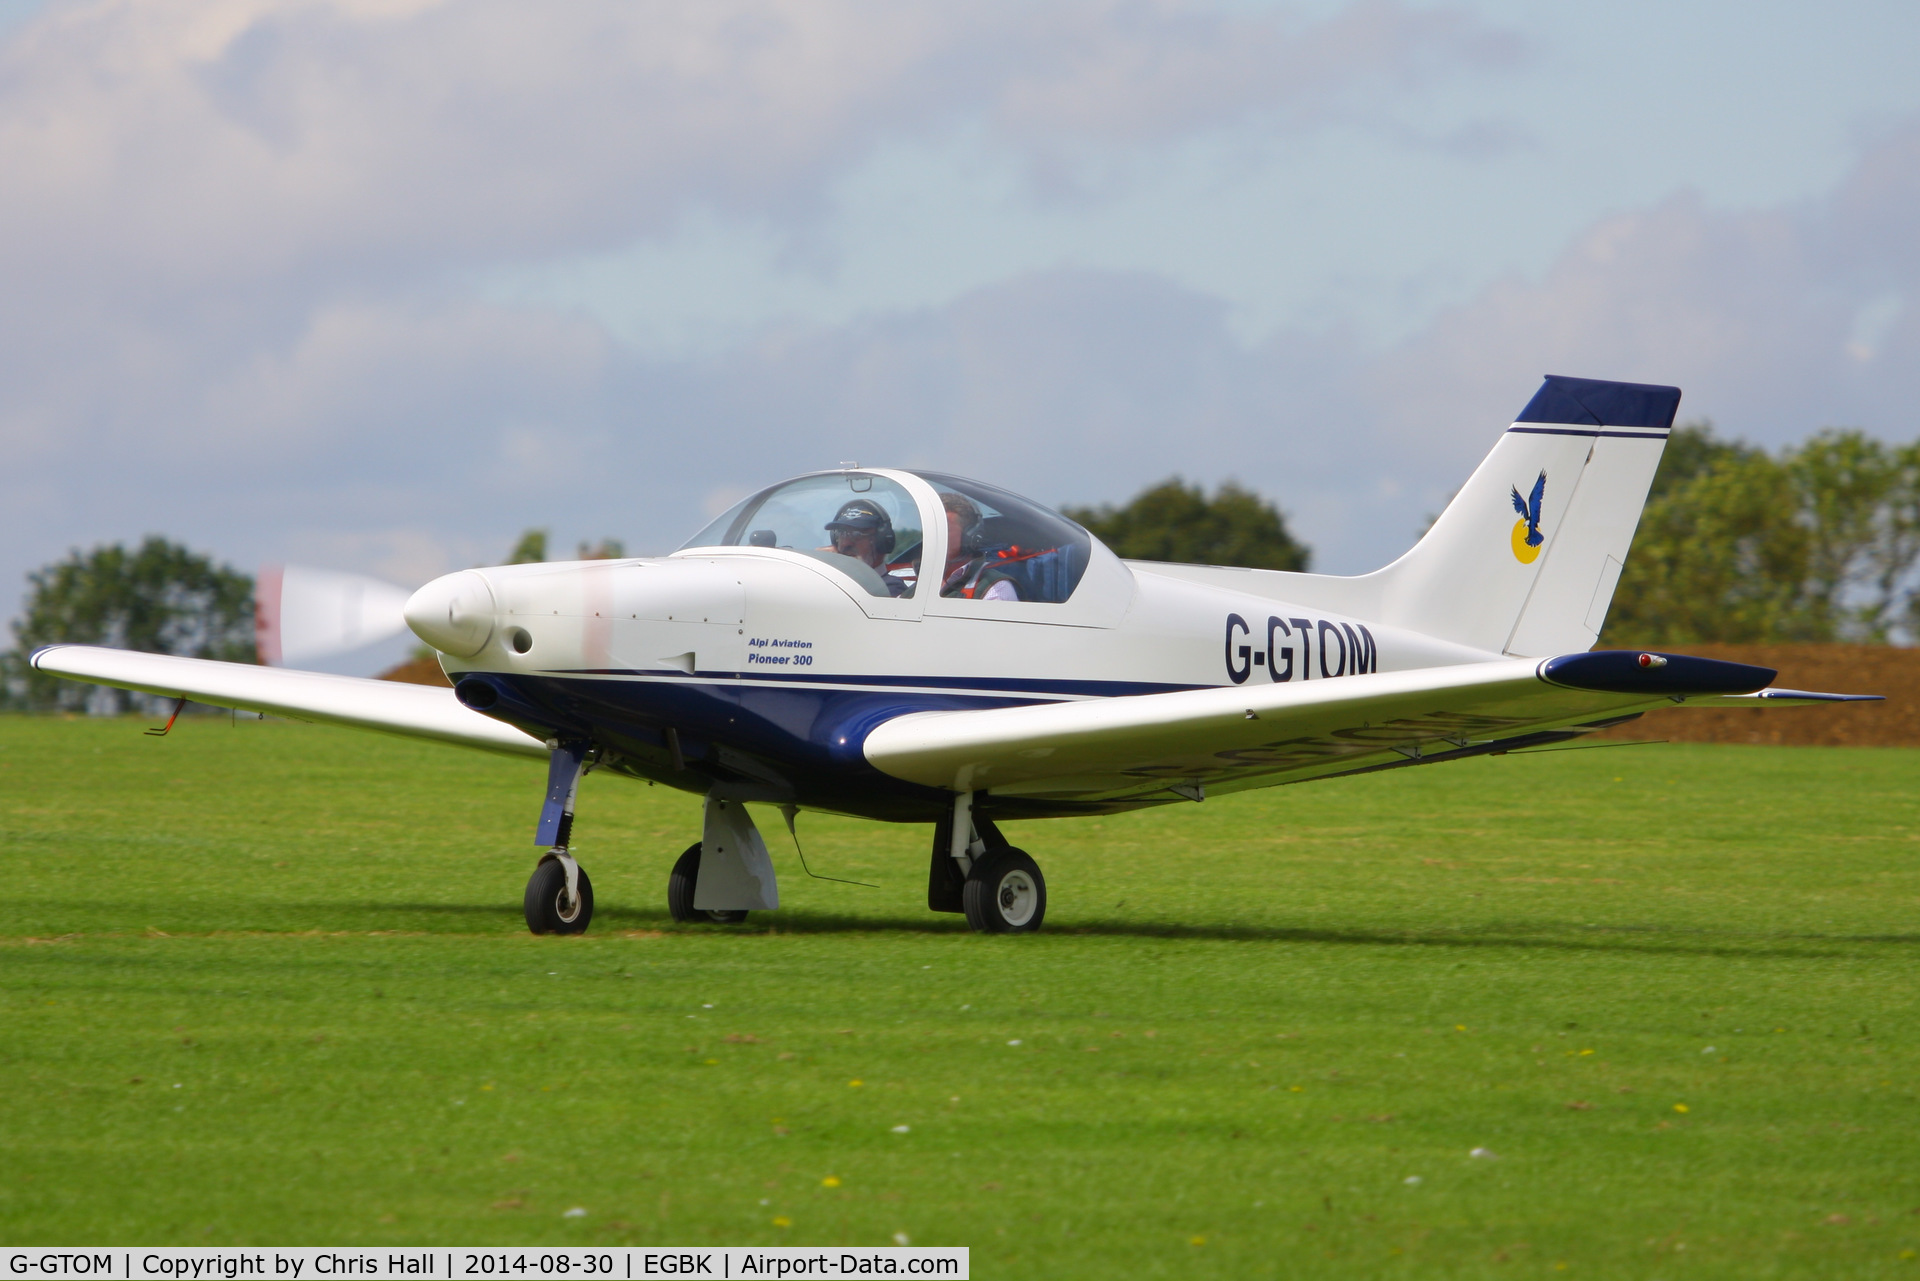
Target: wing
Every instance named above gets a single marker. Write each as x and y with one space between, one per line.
1519 503
1533 502
416 711
1142 748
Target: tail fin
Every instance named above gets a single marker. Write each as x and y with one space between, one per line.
1525 558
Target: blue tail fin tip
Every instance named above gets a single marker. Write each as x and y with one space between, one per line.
1591 402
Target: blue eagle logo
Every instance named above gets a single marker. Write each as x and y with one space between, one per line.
1526 531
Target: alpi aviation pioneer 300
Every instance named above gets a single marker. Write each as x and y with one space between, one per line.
921 648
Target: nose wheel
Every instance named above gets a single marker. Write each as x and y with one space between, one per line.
1005 893
552 907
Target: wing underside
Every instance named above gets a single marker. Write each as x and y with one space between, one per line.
1142 748
414 711
1234 738
1231 739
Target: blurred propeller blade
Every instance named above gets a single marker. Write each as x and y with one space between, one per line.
301 614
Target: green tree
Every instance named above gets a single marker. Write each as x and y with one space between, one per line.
159 597
1842 480
1735 544
1692 450
1860 499
1899 546
530 550
1175 521
1719 556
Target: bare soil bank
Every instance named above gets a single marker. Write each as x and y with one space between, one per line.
417 671
1839 669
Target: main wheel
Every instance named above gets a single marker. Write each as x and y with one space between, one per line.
1005 893
680 884
549 910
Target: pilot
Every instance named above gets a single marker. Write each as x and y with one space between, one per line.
863 530
968 571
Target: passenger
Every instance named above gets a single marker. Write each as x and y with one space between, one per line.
862 530
969 572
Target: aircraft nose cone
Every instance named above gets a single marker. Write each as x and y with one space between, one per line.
454 614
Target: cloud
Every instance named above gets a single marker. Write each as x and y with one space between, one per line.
156 148
1130 72
389 416
237 236
1775 321
234 235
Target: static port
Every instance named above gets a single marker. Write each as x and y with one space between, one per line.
520 640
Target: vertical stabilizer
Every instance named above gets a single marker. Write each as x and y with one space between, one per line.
1525 558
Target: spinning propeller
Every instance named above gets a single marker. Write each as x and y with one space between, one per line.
301 614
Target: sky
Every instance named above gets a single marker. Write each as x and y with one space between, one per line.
374 285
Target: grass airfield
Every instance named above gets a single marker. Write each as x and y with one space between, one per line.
267 983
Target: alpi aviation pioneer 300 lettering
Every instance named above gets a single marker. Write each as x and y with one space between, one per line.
916 647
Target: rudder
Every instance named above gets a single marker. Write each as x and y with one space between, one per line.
1525 558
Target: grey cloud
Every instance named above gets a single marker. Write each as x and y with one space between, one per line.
1145 71
234 237
1758 315
229 318
390 417
178 147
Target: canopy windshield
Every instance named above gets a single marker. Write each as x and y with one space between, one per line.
1000 546
863 525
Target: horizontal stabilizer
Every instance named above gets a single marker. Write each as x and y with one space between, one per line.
1623 671
1783 698
414 711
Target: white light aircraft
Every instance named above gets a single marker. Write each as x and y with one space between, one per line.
916 647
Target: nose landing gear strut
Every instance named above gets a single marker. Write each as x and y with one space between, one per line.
559 896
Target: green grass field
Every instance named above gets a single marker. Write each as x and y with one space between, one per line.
268 983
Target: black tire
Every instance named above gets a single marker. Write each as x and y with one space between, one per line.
1005 893
680 884
547 910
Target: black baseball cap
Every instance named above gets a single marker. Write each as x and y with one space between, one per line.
861 516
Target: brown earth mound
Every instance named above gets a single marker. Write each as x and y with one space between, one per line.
417 671
1835 669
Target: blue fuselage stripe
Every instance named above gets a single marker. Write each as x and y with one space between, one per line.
936 684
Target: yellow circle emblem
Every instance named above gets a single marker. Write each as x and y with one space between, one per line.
1521 552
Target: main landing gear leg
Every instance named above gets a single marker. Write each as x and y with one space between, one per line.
977 872
727 874
559 894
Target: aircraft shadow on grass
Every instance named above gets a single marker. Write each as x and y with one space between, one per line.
1543 935
1554 936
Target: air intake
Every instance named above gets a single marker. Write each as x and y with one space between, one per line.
477 694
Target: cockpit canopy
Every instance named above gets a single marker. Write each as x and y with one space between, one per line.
992 545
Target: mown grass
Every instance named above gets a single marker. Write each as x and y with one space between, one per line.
268 983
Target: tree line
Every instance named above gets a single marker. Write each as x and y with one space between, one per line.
158 597
1816 542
